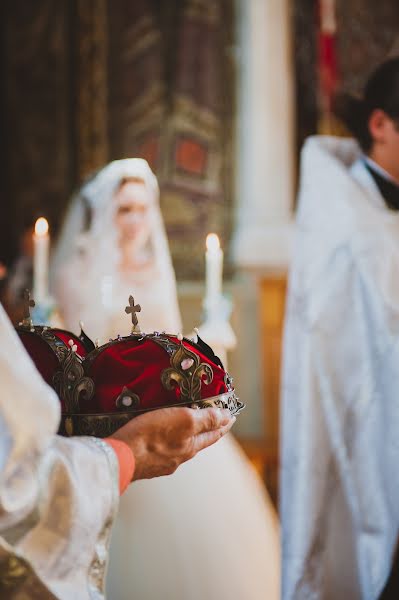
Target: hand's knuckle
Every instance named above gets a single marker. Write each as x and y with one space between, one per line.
212 419
188 419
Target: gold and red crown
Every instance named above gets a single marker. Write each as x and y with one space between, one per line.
103 387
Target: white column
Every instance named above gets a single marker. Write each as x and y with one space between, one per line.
265 135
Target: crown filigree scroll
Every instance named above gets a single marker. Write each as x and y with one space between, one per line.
188 373
72 385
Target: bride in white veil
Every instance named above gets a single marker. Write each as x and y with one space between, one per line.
208 531
124 249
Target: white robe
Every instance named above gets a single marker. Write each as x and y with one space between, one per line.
58 497
340 408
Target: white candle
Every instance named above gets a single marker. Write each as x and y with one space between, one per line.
41 247
214 271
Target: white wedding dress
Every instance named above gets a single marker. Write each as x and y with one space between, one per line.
208 531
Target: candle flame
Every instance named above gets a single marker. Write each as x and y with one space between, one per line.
212 242
41 227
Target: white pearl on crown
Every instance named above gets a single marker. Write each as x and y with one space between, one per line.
127 401
72 345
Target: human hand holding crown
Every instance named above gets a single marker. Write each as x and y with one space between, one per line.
102 387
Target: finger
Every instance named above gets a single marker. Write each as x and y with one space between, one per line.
226 428
203 440
210 419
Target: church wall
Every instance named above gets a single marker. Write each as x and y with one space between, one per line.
89 81
367 33
36 141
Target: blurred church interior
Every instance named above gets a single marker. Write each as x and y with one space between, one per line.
218 97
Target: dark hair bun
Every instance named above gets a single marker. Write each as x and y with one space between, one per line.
353 112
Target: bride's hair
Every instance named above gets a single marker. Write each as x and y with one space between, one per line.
381 92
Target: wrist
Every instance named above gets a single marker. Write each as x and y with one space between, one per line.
126 461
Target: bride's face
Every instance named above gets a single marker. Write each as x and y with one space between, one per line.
132 214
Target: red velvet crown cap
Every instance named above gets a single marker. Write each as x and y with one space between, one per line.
136 365
47 347
67 336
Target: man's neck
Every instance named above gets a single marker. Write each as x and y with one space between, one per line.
386 185
382 167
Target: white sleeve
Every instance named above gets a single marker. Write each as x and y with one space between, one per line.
58 496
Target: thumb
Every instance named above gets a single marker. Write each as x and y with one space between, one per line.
210 419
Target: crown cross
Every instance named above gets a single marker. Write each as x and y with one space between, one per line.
132 309
28 304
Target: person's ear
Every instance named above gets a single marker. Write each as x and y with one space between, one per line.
378 122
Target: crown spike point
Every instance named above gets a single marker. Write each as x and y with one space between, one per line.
28 304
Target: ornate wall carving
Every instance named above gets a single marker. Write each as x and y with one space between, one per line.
35 114
91 85
171 91
94 80
195 173
367 32
305 59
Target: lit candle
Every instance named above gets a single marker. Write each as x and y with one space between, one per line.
41 247
214 271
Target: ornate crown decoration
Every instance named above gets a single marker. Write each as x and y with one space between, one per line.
103 387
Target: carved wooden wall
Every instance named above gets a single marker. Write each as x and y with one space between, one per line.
180 117
304 28
367 33
36 141
88 81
